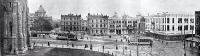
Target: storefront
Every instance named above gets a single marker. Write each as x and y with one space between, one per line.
169 37
193 44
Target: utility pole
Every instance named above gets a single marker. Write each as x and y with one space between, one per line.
184 43
130 52
137 44
123 45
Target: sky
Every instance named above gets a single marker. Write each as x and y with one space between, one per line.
174 6
56 8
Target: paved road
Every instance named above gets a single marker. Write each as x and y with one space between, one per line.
118 48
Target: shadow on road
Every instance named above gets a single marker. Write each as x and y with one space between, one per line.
40 51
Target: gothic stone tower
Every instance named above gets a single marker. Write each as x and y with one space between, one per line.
14 22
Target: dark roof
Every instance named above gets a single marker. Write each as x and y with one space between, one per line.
194 39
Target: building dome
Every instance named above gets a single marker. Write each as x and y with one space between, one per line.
142 19
41 9
115 14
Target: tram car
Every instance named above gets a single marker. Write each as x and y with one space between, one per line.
141 42
66 36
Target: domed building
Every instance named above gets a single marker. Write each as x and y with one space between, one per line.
40 13
124 24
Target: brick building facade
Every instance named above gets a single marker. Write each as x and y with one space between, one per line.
70 22
98 24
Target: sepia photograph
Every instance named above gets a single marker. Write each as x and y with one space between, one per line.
99 28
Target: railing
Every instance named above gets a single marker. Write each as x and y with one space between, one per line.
114 50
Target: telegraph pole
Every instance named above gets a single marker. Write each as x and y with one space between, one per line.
184 43
137 44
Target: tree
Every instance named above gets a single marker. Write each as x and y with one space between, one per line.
41 24
56 23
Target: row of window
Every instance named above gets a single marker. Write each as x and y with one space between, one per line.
123 21
186 27
101 20
180 20
71 18
123 26
99 25
98 31
72 28
71 23
185 20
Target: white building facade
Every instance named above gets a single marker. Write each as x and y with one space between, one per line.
171 24
121 24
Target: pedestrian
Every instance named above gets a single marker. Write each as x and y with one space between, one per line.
103 48
86 45
90 46
128 41
112 54
110 36
72 45
116 40
126 48
48 43
151 44
116 47
34 43
121 40
166 43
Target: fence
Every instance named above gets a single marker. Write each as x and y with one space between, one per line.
116 51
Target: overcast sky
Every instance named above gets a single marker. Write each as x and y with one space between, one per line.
177 6
55 8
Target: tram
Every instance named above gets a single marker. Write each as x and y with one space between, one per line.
66 36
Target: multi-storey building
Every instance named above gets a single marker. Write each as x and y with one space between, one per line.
84 25
14 35
70 22
171 26
121 24
98 24
197 23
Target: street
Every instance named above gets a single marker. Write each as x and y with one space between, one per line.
116 45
